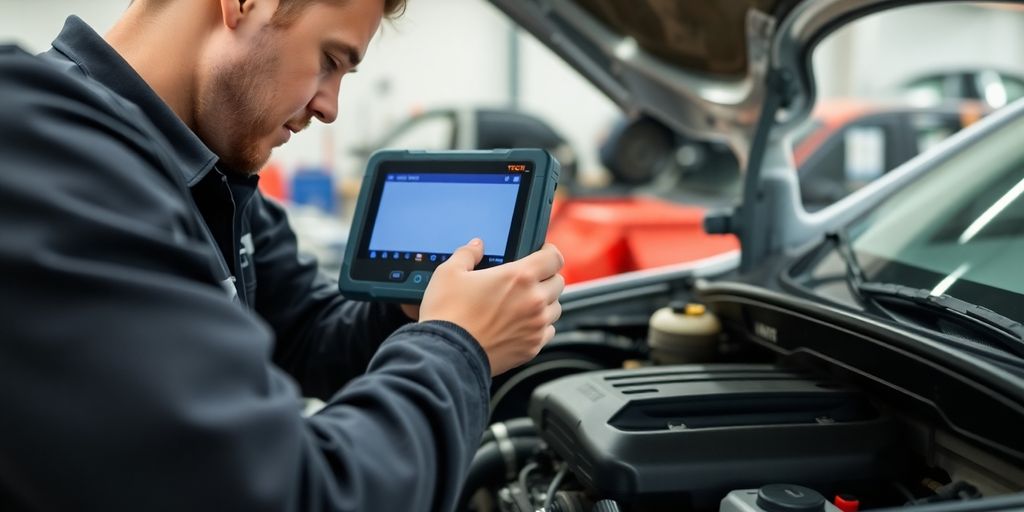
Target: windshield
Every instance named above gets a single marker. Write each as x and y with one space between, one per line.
959 229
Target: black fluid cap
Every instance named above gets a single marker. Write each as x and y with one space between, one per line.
678 306
789 498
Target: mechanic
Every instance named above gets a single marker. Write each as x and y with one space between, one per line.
159 326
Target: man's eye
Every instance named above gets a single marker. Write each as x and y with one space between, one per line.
329 63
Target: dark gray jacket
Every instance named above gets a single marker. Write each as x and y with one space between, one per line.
136 374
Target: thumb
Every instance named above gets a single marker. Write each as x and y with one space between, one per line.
467 256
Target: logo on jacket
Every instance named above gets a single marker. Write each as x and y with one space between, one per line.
247 251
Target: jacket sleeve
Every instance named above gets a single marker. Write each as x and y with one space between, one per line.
323 339
132 382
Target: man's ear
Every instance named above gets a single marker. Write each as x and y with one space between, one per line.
233 11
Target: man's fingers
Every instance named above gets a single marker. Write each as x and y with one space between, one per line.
467 256
552 287
544 263
411 310
553 312
549 334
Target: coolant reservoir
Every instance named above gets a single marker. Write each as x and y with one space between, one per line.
683 333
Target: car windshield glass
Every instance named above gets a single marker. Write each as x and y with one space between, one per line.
959 229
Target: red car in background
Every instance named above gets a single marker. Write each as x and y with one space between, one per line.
641 223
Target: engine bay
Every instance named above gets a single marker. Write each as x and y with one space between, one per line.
740 414
689 434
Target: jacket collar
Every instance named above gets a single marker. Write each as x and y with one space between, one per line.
79 43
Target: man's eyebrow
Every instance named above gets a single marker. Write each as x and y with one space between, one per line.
347 50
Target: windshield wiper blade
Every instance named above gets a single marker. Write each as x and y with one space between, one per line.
854 272
1008 331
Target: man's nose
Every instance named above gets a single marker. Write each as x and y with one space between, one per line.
325 103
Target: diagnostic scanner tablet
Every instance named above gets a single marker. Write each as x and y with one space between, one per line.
416 208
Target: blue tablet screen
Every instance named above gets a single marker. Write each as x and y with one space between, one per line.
436 213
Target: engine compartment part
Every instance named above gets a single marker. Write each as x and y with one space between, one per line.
777 498
683 333
683 438
690 434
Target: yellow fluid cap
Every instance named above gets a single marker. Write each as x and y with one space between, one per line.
695 309
682 318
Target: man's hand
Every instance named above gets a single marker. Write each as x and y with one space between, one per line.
411 310
509 309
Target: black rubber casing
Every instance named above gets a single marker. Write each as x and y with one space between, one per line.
690 434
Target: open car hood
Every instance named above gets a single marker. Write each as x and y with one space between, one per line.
731 71
698 67
702 68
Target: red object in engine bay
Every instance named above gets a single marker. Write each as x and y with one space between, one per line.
846 503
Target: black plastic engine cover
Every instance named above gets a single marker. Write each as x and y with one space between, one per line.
701 430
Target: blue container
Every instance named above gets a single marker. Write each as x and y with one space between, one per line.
314 186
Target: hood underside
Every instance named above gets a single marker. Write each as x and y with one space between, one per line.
703 37
712 71
700 67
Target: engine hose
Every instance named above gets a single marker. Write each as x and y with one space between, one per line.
553 488
571 501
516 427
490 466
606 506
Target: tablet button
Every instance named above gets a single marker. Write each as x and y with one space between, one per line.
396 275
420 278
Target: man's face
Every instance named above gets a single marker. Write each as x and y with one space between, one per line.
262 83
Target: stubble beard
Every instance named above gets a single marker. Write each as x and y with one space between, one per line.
232 115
